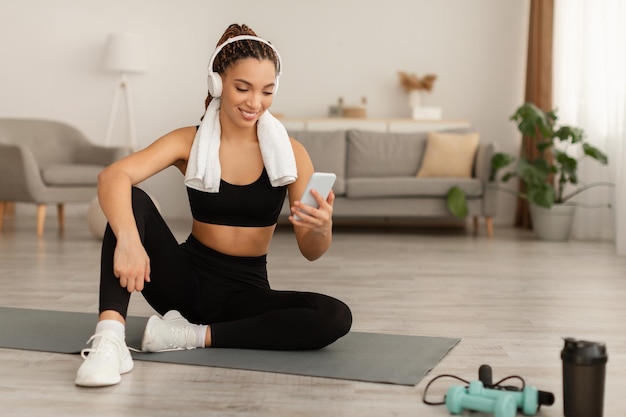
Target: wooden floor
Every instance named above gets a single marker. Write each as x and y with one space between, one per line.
510 299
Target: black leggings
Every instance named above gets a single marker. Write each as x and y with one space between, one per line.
230 293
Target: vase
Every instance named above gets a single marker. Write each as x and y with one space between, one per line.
554 224
415 99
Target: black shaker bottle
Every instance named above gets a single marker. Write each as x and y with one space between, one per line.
584 368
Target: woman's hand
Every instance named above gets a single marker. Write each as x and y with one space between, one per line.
131 264
318 220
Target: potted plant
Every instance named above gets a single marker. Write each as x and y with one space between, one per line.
550 179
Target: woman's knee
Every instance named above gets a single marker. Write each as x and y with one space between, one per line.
337 318
145 211
343 318
141 201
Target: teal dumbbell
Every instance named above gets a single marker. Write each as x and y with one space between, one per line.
460 398
527 400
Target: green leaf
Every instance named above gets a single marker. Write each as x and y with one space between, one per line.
501 160
506 177
498 161
595 153
457 203
543 195
535 173
531 120
543 145
567 163
569 133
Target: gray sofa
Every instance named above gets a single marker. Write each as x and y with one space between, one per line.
376 177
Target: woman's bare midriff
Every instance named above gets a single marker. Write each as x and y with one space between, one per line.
234 240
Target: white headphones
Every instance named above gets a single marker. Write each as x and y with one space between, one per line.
215 80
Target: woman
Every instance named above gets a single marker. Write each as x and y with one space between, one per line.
212 290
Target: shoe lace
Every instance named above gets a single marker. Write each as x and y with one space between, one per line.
103 344
183 337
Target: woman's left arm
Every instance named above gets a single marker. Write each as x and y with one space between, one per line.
314 230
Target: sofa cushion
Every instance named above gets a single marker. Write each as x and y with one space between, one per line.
376 154
449 155
71 175
328 153
376 187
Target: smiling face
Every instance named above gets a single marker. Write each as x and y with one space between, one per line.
247 91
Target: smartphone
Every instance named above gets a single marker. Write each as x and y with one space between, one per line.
322 182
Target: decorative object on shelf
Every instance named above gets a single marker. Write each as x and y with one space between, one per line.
358 112
336 110
415 87
412 82
426 113
124 54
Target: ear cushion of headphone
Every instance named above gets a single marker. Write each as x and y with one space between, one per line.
215 84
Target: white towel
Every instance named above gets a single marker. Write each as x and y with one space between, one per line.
203 168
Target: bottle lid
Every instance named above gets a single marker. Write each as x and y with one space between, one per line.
583 352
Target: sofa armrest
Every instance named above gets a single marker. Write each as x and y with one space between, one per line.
482 169
20 178
482 164
99 155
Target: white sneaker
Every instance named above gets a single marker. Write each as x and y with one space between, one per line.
172 332
104 362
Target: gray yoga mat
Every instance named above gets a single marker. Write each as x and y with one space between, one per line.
371 357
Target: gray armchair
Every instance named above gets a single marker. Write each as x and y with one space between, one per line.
49 162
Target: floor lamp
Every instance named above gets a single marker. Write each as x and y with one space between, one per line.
124 54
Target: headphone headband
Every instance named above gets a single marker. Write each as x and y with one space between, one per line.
214 79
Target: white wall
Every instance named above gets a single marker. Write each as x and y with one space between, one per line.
52 52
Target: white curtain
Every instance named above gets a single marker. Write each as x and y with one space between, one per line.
589 82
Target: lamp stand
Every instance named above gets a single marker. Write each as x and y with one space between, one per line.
123 86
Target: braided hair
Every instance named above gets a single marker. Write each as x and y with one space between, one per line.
240 49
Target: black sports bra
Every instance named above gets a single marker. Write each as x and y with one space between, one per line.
253 205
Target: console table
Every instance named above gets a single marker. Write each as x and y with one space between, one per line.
377 125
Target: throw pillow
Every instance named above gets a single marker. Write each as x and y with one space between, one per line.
449 155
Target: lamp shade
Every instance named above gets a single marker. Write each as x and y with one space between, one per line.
125 52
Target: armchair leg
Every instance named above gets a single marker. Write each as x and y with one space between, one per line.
2 208
41 218
61 215
489 224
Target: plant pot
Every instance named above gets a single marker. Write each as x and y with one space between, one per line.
554 224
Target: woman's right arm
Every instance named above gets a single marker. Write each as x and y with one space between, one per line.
131 263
